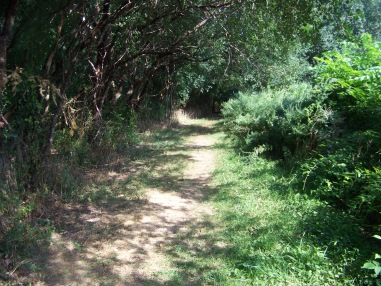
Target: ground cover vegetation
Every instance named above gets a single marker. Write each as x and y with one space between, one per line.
276 234
325 133
80 79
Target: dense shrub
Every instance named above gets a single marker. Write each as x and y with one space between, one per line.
345 169
287 120
333 129
346 173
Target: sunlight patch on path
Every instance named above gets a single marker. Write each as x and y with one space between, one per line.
126 245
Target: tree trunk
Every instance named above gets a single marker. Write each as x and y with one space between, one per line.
7 28
6 177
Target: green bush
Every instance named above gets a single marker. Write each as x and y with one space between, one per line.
375 265
121 129
333 130
351 77
20 232
287 120
345 172
345 169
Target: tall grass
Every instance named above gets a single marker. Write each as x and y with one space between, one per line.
277 236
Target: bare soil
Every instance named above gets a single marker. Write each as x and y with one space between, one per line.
126 241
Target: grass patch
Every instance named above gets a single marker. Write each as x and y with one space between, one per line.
278 236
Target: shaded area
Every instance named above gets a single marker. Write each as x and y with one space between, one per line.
121 239
134 216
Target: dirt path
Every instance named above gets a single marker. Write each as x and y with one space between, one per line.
129 241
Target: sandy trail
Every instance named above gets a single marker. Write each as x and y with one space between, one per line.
126 244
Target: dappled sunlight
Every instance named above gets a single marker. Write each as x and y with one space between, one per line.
137 216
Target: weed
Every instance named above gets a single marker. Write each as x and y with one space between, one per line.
277 235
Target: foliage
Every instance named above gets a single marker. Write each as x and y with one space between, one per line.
286 120
345 169
277 235
345 173
29 97
291 68
120 129
352 79
353 70
20 233
372 9
375 265
332 130
79 78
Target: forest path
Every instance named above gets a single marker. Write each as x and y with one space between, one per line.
149 219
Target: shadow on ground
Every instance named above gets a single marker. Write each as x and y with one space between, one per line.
141 220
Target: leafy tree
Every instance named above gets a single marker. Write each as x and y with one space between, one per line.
351 77
372 10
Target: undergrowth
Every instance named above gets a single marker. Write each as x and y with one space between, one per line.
278 236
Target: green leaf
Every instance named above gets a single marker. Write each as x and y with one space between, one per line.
377 270
369 265
377 236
